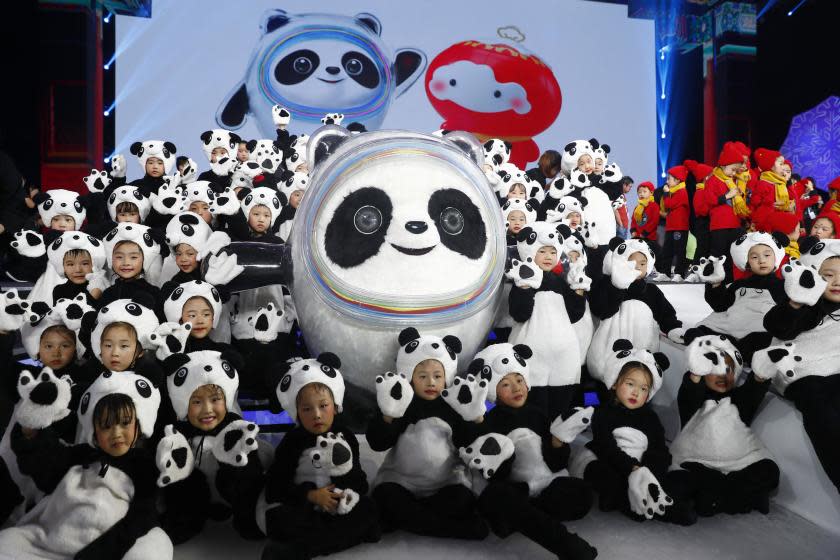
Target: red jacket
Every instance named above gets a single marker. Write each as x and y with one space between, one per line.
803 200
677 206
701 209
650 221
721 214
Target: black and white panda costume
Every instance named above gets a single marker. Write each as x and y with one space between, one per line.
546 319
173 304
218 482
804 349
267 154
69 241
304 461
294 182
138 314
510 175
190 229
738 309
629 309
422 486
145 238
723 464
262 196
244 173
572 152
148 185
219 172
60 202
131 194
99 506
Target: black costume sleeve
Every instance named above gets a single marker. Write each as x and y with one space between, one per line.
720 298
521 303
690 398
279 484
663 312
786 323
575 304
604 298
382 436
748 397
603 444
657 457
44 457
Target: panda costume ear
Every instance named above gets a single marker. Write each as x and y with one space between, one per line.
524 233
622 344
615 242
329 359
606 148
595 144
324 142
40 197
135 148
453 342
780 238
370 21
243 192
662 361
251 145
806 243
407 335
173 362
475 366
468 144
171 147
523 350
564 231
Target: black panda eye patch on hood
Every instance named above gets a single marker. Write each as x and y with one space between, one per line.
346 243
458 222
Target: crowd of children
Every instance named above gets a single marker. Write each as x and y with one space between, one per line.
127 436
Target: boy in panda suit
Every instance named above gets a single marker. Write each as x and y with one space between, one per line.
316 490
724 467
101 501
208 459
421 485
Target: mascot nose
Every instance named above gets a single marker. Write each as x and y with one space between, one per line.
416 227
333 70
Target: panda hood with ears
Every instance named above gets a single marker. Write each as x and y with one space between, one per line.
219 138
130 194
740 248
265 196
164 151
137 314
144 395
75 240
572 153
296 374
623 352
499 360
415 348
60 202
187 372
142 236
174 304
541 234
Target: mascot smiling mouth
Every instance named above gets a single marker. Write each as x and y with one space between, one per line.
415 252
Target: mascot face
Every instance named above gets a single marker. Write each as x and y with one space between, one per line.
397 229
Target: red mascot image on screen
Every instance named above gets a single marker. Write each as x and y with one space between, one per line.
495 90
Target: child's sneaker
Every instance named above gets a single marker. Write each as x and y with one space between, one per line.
656 276
677 278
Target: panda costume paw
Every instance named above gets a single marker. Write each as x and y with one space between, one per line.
333 453
72 311
560 187
29 244
118 166
619 202
710 270
173 181
13 310
173 457
349 499
677 335
570 428
803 284
223 166
190 172
631 441
44 399
332 118
525 274
553 216
776 362
281 116
97 181
168 200
590 235
623 273
217 241
98 280
225 204
235 442
223 269
170 338
267 323
487 453
577 278
647 498
466 397
393 394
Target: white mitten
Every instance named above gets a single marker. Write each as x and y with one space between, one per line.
97 181
349 499
281 116
98 280
222 269
590 235
553 216
803 284
118 166
393 394
577 278
332 118
776 361
647 498
560 187
170 338
704 358
235 442
71 311
190 172
173 181
487 453
623 273
570 428
710 270
29 243
217 241
332 453
168 201
223 166
632 441
467 397
619 202
44 399
13 310
173 457
225 203
525 274
267 323
677 335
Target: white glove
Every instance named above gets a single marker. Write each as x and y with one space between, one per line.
118 166
553 216
173 181
97 181
222 269
173 457
677 335
623 273
487 453
577 278
235 442
349 499
393 394
803 284
467 397
13 310
223 166
170 338
525 274
29 243
71 311
333 454
560 187
168 201
632 441
267 323
217 241
332 118
98 280
777 361
35 413
647 498
281 116
225 203
570 428
710 270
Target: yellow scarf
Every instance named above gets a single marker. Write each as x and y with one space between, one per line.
675 188
739 203
640 208
781 189
700 186
792 249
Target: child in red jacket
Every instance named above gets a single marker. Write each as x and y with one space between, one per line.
771 192
700 229
645 219
675 202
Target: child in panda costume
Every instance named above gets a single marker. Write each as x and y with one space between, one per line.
101 501
739 307
547 310
292 187
132 279
83 269
156 158
316 490
629 307
724 467
220 146
534 494
805 352
421 485
208 461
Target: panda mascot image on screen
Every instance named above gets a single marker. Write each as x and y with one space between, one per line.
314 64
397 229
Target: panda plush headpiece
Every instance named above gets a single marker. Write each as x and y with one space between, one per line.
72 240
139 234
132 194
567 205
296 156
571 154
266 154
35 325
164 151
198 191
219 138
189 228
511 175
705 355
261 195
415 348
513 204
496 152
244 173
297 373
815 254
60 202
188 372
174 304
623 352
141 391
141 317
541 234
599 150
621 249
296 181
740 248
497 361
